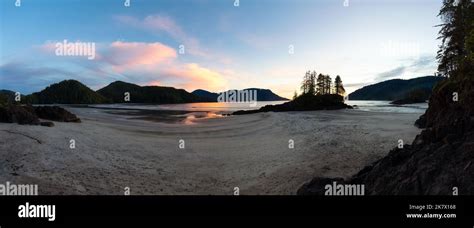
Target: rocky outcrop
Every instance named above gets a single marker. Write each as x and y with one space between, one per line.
18 114
26 114
421 121
56 113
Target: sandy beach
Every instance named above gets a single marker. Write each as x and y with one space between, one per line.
249 151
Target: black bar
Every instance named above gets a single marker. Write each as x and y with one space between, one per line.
390 208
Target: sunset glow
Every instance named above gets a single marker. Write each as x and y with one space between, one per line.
217 46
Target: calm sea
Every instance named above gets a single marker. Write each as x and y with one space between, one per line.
385 106
374 106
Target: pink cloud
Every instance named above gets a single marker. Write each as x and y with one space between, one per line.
159 63
193 76
126 55
147 64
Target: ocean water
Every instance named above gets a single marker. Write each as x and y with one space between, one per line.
370 106
385 106
195 107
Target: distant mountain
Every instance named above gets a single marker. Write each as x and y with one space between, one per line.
7 92
74 92
212 97
147 94
396 89
262 95
66 92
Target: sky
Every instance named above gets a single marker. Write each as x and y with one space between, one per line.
216 45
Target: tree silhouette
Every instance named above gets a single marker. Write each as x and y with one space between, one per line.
456 34
327 84
305 83
338 87
312 85
308 85
321 84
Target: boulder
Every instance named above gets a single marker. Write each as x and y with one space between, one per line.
56 113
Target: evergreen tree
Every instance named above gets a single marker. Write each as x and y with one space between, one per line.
338 87
327 84
320 84
305 84
458 23
311 84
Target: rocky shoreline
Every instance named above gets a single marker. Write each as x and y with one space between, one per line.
31 115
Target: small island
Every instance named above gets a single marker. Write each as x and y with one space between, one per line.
318 93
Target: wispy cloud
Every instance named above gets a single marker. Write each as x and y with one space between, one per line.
422 64
352 85
398 71
163 24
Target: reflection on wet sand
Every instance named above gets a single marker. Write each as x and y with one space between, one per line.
167 116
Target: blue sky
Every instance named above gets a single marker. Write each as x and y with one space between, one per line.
225 46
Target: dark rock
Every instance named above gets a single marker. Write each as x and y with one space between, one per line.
450 138
18 114
56 113
47 124
421 121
